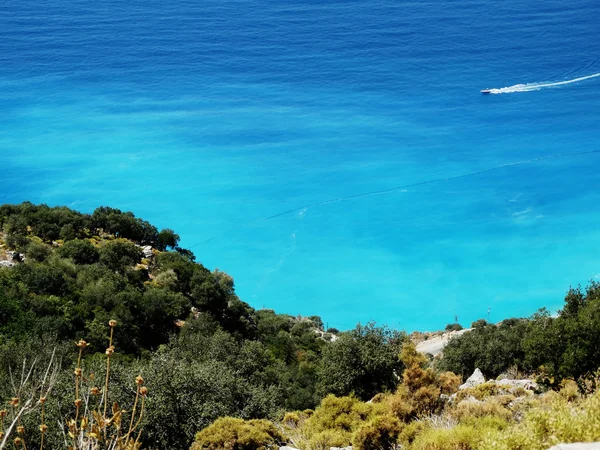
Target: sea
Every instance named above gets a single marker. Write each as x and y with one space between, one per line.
337 158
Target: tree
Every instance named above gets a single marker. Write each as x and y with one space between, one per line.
118 255
81 251
363 361
167 238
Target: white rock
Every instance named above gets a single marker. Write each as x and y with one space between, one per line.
470 399
435 345
577 446
285 447
525 384
474 380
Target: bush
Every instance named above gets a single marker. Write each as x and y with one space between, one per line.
453 327
334 422
449 382
380 433
469 410
38 252
466 436
81 251
553 420
117 255
238 434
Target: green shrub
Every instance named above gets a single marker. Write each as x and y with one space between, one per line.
380 433
238 434
453 327
468 410
449 382
553 419
38 251
81 251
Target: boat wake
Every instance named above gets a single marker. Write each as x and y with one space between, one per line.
536 86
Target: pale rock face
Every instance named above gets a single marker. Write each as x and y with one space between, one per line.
474 380
525 384
577 446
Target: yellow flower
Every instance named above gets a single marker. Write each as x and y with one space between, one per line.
110 350
42 400
3 413
82 344
144 391
78 372
95 391
17 441
78 402
43 428
112 323
139 380
14 401
21 429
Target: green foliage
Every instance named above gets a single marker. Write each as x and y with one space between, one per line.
363 361
453 327
167 238
119 255
492 349
550 422
38 251
232 433
335 421
379 433
81 251
464 436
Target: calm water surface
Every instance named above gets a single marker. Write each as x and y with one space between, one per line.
215 117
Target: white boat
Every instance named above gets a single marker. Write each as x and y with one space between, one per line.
486 91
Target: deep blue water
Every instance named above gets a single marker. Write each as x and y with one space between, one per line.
211 117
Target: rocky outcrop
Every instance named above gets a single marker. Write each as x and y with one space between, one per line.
435 345
475 379
530 385
509 385
12 258
577 446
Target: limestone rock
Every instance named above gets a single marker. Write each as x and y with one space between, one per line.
470 399
577 446
525 384
474 380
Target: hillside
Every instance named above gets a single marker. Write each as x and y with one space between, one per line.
206 355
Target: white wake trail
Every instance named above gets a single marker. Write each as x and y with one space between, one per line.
537 86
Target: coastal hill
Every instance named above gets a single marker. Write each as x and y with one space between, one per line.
212 362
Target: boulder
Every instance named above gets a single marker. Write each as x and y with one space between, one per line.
475 379
470 399
577 446
525 384
147 251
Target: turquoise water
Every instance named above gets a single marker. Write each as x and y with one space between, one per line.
227 120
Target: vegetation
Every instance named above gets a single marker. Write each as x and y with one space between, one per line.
563 346
212 372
